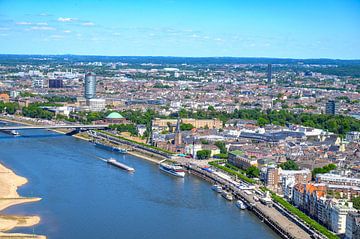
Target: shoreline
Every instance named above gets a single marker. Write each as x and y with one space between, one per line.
9 183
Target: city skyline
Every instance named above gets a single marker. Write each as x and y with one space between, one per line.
325 29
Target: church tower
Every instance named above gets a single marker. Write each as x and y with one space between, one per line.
178 140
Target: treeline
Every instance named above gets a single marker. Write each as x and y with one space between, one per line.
34 111
131 128
57 98
337 124
325 169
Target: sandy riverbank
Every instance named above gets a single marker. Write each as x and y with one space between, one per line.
9 183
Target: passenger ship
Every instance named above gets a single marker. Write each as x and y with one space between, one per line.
175 170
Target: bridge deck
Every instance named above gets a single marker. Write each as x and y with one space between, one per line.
54 127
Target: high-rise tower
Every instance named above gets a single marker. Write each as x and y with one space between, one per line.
90 86
331 107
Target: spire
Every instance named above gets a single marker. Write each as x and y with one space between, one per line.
178 125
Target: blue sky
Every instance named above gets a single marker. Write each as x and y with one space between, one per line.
257 28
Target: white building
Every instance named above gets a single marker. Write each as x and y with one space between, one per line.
338 216
38 83
96 104
337 179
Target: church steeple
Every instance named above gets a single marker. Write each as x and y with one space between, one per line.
178 140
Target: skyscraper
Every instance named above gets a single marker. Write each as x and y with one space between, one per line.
269 74
331 107
90 85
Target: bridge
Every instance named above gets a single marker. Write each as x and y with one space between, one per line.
77 128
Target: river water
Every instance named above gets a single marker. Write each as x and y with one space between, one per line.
83 197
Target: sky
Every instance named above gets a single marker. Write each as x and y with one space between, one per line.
194 28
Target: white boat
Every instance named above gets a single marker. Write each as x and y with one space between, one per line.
227 195
120 165
240 204
217 188
175 170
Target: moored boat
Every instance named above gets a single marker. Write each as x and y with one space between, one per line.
240 204
227 195
110 148
217 188
175 170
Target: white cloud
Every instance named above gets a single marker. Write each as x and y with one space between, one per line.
42 24
23 23
88 24
67 31
43 28
66 19
56 37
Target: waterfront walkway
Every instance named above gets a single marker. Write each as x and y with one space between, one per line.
273 216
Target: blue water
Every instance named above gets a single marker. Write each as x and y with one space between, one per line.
83 197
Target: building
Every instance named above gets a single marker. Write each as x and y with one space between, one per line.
38 82
4 97
115 118
269 73
353 136
331 107
352 225
56 83
197 123
96 104
285 180
335 179
90 86
339 214
238 159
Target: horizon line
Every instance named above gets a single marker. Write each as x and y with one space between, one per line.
169 56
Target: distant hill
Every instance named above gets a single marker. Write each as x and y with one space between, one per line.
35 59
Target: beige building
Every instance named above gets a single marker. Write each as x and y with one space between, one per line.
238 159
197 123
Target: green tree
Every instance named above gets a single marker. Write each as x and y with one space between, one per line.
356 202
203 154
262 121
186 127
289 165
325 169
221 146
253 172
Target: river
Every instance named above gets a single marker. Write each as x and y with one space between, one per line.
83 197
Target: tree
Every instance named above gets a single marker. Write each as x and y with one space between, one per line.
203 154
186 127
253 172
221 146
262 121
289 165
325 169
356 202
211 108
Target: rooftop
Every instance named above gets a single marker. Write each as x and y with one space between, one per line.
114 115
